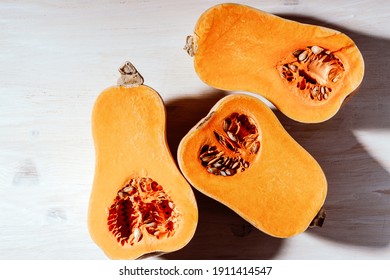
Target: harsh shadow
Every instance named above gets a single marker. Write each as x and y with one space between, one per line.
358 201
221 233
185 112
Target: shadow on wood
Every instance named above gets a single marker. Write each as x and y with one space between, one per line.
358 202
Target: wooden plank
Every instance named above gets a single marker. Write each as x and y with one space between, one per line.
57 57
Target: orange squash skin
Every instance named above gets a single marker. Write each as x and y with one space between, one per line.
240 48
128 126
283 189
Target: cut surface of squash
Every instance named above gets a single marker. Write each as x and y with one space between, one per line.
241 156
306 71
140 202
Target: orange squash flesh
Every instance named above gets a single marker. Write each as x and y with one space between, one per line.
128 125
237 47
283 188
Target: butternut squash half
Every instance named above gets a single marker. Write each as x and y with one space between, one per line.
140 202
241 156
306 71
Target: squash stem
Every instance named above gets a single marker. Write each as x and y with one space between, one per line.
191 46
319 219
129 76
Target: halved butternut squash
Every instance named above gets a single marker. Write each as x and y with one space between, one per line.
140 203
241 156
306 71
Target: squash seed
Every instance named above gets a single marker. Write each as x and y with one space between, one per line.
292 67
316 49
231 136
137 235
302 56
128 189
255 147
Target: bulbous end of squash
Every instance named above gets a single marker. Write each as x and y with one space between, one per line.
140 203
241 156
306 71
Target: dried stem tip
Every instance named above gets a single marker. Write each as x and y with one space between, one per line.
190 46
129 76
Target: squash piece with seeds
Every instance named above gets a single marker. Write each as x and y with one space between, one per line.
241 156
306 71
140 202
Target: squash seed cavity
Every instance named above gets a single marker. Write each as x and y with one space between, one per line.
141 208
313 71
239 143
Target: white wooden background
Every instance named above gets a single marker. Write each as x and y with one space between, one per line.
57 56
